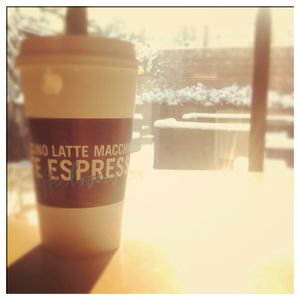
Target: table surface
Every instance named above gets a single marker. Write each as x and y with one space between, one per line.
183 232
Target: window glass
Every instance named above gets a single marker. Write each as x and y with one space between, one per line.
195 66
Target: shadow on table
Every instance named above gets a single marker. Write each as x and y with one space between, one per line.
41 272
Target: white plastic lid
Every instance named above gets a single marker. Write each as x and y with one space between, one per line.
75 45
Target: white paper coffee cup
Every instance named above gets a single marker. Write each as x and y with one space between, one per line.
79 102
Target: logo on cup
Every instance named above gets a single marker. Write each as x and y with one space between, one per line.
52 83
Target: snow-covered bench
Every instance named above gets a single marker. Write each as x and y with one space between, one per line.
275 123
195 145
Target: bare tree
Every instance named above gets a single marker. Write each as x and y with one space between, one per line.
145 53
185 36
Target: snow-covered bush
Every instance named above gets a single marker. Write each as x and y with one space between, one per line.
230 96
276 100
